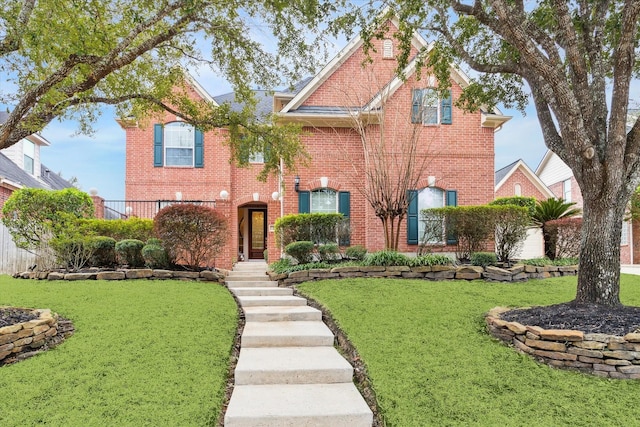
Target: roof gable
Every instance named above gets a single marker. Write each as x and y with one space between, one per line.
503 175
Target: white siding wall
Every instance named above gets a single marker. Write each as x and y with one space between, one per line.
555 170
533 245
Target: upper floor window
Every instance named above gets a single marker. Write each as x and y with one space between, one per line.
29 151
324 200
566 190
256 158
178 144
517 189
427 108
179 141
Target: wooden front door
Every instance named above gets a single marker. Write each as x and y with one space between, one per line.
257 233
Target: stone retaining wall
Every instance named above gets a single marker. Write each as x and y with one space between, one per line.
602 355
23 340
517 273
139 273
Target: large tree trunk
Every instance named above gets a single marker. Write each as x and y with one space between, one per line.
599 275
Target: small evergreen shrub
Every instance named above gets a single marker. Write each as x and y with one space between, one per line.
387 258
73 252
302 251
129 251
154 255
104 254
483 259
120 229
329 252
318 228
357 252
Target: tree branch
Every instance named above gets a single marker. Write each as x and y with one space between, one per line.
13 39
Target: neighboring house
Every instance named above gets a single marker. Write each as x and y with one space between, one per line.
559 178
517 179
171 160
20 167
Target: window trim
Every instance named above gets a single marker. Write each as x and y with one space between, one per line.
26 143
166 146
443 107
326 190
421 221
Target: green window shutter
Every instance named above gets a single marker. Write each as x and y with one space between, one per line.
344 207
451 200
158 131
412 217
198 149
416 106
304 202
445 110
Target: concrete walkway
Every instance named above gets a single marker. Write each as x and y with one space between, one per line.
288 372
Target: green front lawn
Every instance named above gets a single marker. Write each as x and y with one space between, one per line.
145 353
432 363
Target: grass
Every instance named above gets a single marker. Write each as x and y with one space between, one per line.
432 363
145 353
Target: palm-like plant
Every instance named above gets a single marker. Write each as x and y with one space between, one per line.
549 210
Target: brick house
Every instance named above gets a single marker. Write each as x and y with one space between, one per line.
459 148
559 178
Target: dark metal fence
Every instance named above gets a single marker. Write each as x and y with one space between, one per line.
123 209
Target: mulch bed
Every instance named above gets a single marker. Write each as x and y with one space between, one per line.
588 318
11 316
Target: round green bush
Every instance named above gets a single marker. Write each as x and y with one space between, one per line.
301 251
155 256
357 252
329 252
129 251
104 254
483 259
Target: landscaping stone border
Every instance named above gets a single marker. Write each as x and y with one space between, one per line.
608 356
517 273
23 340
122 274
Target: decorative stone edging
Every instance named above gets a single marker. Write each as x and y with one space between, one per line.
602 355
23 340
517 273
138 273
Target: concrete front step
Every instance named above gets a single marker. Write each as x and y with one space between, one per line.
250 284
281 313
256 291
254 301
318 405
286 334
250 266
246 277
292 365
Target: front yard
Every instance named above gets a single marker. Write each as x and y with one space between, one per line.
145 353
432 363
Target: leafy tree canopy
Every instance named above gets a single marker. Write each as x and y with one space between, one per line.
65 59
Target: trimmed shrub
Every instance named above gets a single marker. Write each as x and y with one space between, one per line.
526 202
129 251
154 255
329 252
511 223
318 228
301 251
387 258
483 259
357 252
565 235
192 235
470 226
120 229
104 254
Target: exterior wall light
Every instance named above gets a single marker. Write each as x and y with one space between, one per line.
275 195
224 195
296 182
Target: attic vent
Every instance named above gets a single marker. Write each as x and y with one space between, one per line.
387 49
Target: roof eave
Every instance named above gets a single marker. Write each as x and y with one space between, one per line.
494 121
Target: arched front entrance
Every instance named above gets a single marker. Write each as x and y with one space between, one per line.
252 231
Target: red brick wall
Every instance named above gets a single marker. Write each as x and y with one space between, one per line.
4 195
527 188
576 194
460 156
